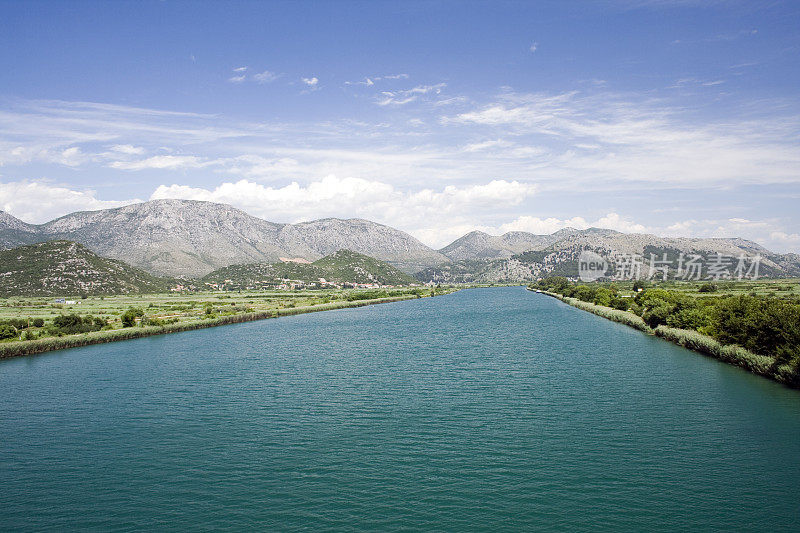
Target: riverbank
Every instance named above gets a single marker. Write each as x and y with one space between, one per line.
47 344
761 365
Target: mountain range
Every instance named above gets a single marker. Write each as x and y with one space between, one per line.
191 239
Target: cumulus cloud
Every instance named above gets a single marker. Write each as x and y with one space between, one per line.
36 202
350 197
546 226
311 82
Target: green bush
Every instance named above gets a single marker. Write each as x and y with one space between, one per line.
129 317
7 332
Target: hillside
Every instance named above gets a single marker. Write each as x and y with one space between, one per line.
396 247
480 245
191 238
14 232
341 267
64 268
351 267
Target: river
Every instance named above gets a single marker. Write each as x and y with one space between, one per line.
486 409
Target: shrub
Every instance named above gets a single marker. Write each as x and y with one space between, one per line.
7 332
69 324
708 287
129 317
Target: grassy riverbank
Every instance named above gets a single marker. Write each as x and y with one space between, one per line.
41 325
756 331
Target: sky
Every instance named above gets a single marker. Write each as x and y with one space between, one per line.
679 118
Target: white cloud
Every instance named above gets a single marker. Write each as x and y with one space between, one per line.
237 79
240 69
37 202
311 82
370 80
366 82
546 226
406 96
576 142
476 147
165 162
127 149
534 47
266 76
643 141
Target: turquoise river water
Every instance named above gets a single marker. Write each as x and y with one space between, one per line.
488 409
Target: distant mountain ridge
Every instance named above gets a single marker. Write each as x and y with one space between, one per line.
483 258
192 238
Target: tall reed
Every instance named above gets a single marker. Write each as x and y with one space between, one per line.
693 340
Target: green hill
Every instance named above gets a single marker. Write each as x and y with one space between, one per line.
352 267
342 267
65 268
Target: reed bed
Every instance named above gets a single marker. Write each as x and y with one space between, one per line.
735 355
623 317
762 365
19 348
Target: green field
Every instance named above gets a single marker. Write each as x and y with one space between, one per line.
781 288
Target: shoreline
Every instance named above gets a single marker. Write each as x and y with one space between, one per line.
49 344
760 365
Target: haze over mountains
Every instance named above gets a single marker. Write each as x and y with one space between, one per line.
192 238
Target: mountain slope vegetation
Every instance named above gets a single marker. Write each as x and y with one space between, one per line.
64 268
343 266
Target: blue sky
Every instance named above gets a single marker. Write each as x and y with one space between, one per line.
671 117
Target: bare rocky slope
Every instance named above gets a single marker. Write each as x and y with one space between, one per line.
191 238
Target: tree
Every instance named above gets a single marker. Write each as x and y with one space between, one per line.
129 317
